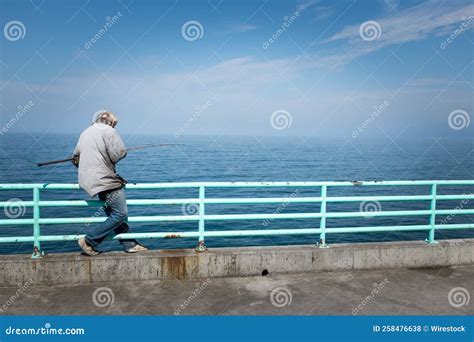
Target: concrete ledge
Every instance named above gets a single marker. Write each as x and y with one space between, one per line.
72 268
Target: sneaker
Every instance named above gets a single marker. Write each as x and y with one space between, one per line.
136 249
88 250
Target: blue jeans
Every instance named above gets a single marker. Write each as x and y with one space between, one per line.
117 214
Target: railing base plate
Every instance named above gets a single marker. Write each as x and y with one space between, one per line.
201 247
37 255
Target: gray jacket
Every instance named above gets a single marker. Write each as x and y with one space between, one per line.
99 148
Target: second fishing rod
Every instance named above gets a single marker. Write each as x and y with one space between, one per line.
59 161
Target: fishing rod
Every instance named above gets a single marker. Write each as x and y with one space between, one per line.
51 162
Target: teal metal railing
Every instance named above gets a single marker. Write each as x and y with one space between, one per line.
433 198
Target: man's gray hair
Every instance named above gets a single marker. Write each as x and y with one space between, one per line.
106 117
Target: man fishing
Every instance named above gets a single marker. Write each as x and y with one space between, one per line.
98 150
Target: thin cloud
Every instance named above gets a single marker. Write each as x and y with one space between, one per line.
322 12
413 24
239 28
306 4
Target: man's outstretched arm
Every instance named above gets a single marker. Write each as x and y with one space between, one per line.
76 154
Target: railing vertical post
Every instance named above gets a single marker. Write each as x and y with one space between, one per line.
37 253
201 247
431 234
322 225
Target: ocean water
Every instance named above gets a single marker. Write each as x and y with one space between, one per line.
217 158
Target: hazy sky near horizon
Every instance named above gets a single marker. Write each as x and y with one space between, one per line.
310 67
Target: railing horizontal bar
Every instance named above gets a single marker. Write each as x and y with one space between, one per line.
178 218
132 202
455 226
54 186
455 211
378 198
16 222
245 200
145 202
86 220
455 197
230 233
71 203
295 231
16 239
316 199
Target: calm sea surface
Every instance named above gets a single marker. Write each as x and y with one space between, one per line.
243 159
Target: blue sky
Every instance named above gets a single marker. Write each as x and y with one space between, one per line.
321 74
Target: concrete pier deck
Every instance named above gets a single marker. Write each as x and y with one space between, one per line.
73 268
417 291
406 278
